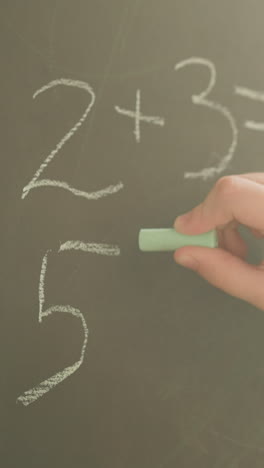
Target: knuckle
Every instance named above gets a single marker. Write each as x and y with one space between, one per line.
227 185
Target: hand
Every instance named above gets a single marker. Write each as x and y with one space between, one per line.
234 200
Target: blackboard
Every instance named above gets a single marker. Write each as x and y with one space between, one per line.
119 115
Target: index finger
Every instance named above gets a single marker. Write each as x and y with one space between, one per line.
254 176
233 198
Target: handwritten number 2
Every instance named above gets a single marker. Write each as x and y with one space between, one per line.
202 100
36 182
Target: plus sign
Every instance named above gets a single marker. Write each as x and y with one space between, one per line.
138 117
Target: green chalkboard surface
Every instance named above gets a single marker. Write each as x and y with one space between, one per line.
118 115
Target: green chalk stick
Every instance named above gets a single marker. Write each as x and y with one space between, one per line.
162 240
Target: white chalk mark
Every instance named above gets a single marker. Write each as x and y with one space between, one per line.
251 125
37 392
255 96
34 393
79 193
201 100
42 284
238 442
139 117
100 249
249 93
34 182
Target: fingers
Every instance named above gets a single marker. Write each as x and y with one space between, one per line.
232 198
258 234
225 271
257 177
233 243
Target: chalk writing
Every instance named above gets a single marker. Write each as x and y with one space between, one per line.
101 249
201 100
35 182
139 117
249 93
255 96
37 392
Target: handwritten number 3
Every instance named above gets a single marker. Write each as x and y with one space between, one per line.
202 100
36 182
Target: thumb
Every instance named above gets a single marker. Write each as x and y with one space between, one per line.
194 221
226 272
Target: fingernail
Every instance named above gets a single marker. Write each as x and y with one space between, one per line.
187 261
181 220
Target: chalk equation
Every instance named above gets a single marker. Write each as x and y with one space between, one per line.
138 117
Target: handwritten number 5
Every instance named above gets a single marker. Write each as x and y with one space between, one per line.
33 394
202 100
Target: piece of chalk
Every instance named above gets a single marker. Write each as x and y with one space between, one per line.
165 240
